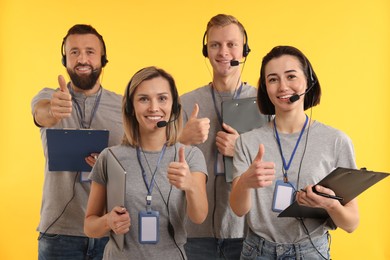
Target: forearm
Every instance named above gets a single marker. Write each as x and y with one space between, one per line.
197 204
345 217
95 226
240 198
43 115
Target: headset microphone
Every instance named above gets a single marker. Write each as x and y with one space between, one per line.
296 97
235 63
161 124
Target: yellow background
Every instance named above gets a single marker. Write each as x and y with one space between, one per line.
348 43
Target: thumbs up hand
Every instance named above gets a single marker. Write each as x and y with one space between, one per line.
61 101
179 174
196 130
259 174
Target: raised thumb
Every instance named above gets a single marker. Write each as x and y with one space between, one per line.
62 83
195 111
181 154
260 153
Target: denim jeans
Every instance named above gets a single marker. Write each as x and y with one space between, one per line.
52 246
212 248
258 248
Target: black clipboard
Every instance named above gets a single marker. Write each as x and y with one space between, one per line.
243 115
346 183
67 148
116 191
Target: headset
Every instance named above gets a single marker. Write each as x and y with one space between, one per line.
103 58
129 109
245 50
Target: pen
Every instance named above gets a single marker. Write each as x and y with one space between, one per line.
326 195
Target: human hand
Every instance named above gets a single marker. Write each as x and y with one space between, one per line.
179 174
196 130
308 197
259 174
225 141
61 101
118 219
91 159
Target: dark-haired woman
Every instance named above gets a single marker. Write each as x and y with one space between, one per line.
280 162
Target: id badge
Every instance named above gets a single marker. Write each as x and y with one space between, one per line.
148 227
220 165
283 195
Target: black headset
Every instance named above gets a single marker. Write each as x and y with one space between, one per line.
245 50
129 109
103 58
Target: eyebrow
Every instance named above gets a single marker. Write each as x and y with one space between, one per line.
288 71
274 74
158 94
271 74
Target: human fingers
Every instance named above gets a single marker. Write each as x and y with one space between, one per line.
195 111
62 84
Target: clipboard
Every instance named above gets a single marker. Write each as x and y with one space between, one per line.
116 190
346 183
243 115
67 148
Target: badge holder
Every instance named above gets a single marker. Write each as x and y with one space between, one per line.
283 195
148 222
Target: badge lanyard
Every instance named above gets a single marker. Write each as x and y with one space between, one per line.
219 116
80 115
286 167
149 186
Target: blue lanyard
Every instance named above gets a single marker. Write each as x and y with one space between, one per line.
150 186
286 167
80 115
236 96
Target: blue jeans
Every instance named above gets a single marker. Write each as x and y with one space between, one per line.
256 247
52 246
212 248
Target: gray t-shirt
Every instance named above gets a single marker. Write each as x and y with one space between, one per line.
60 187
326 149
226 223
164 197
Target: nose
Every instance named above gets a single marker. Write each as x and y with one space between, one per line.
283 84
82 58
153 106
223 50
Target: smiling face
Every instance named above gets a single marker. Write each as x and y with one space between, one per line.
284 77
224 43
83 59
152 103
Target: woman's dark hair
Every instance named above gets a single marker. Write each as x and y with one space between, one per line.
313 96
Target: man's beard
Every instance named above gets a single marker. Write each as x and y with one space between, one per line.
85 82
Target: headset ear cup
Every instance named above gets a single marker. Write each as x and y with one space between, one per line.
104 60
204 50
63 60
204 45
246 50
